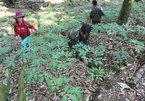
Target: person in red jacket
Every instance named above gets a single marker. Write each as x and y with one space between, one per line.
21 28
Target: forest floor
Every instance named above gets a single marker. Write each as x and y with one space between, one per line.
116 72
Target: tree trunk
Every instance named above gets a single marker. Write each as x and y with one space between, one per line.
125 11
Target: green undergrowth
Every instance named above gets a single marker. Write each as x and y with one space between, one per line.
21 85
49 52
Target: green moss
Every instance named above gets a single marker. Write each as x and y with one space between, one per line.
5 86
115 67
3 92
125 11
21 86
141 39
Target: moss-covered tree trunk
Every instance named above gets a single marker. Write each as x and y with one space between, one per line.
21 85
5 86
125 11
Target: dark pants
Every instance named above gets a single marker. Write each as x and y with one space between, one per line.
96 22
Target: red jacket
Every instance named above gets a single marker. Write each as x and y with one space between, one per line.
22 29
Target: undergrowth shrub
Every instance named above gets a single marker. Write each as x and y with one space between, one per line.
120 56
93 55
140 30
138 11
111 29
52 51
5 47
138 45
96 73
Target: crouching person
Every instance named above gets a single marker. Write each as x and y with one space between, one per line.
79 36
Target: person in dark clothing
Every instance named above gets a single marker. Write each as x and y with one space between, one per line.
79 36
96 13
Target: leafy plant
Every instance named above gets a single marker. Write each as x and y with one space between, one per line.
93 55
66 92
96 73
138 12
34 75
72 93
123 85
111 13
138 45
4 19
120 55
140 30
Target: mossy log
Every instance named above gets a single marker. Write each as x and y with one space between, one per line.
139 74
125 11
115 67
21 85
5 86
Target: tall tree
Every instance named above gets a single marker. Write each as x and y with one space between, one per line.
125 11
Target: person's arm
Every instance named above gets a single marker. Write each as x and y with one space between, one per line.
15 30
31 27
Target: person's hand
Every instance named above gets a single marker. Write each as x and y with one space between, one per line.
16 37
89 20
86 62
33 30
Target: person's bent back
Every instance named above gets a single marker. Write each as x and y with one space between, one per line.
79 36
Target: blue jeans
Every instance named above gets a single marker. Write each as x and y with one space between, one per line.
25 42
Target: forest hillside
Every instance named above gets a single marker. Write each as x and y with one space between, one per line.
48 70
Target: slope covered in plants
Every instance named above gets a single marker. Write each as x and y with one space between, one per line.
116 53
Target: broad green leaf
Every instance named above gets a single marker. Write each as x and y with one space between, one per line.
64 98
66 88
73 90
49 83
73 97
123 85
66 80
41 79
51 90
61 93
79 94
77 88
59 81
35 77
126 99
55 80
